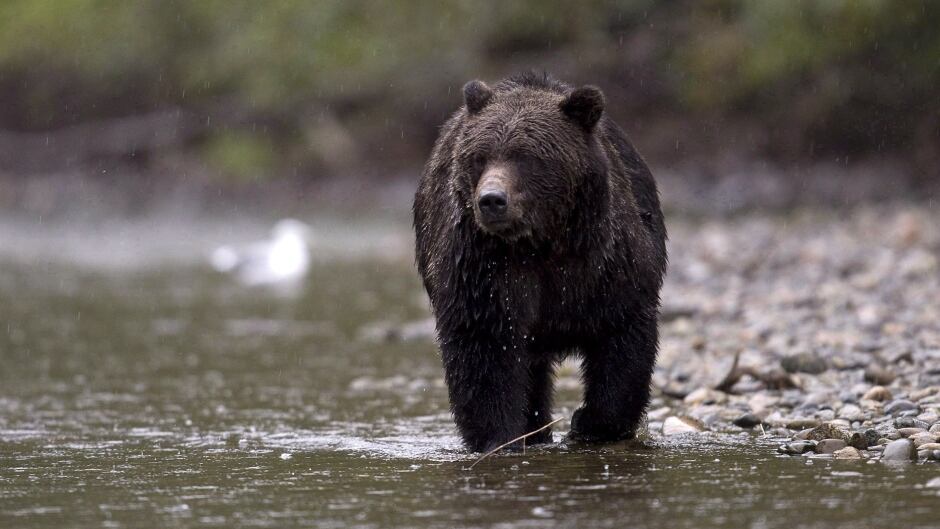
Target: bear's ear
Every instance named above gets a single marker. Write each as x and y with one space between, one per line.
584 106
476 95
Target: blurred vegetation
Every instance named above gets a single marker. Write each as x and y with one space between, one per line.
337 87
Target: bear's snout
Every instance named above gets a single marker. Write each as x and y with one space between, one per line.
495 208
493 203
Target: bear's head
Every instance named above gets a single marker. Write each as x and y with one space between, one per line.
528 154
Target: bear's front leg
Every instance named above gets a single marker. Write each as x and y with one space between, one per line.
616 372
486 383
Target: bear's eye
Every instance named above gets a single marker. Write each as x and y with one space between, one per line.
477 162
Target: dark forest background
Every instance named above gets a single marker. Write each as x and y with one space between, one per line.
143 99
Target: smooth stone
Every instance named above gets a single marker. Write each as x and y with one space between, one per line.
923 393
929 446
803 363
900 450
879 375
677 426
803 435
748 420
705 396
935 429
851 412
910 422
933 483
907 432
847 453
761 402
900 405
801 423
878 393
929 417
829 446
825 415
658 413
923 439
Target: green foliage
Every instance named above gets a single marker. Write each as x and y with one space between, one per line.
822 63
240 155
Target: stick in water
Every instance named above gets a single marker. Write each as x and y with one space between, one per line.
507 443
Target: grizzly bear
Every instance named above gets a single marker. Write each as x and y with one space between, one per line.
538 235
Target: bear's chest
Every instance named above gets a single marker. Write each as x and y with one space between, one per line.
551 296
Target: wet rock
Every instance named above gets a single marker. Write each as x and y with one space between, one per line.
797 447
803 363
933 483
748 420
879 375
907 432
848 452
901 405
826 431
878 393
857 440
828 446
681 425
871 436
900 450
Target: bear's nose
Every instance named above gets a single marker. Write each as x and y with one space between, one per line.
493 202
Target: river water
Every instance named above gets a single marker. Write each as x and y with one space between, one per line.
138 388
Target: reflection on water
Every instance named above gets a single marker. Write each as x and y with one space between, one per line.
167 395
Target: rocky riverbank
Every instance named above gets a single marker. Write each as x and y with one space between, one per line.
818 328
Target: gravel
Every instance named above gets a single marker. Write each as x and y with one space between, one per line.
818 327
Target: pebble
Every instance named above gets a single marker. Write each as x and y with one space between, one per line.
802 422
907 432
910 422
935 428
851 412
923 439
748 420
879 375
677 426
878 393
900 405
803 363
797 447
933 483
705 396
900 450
825 431
847 453
925 392
829 446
